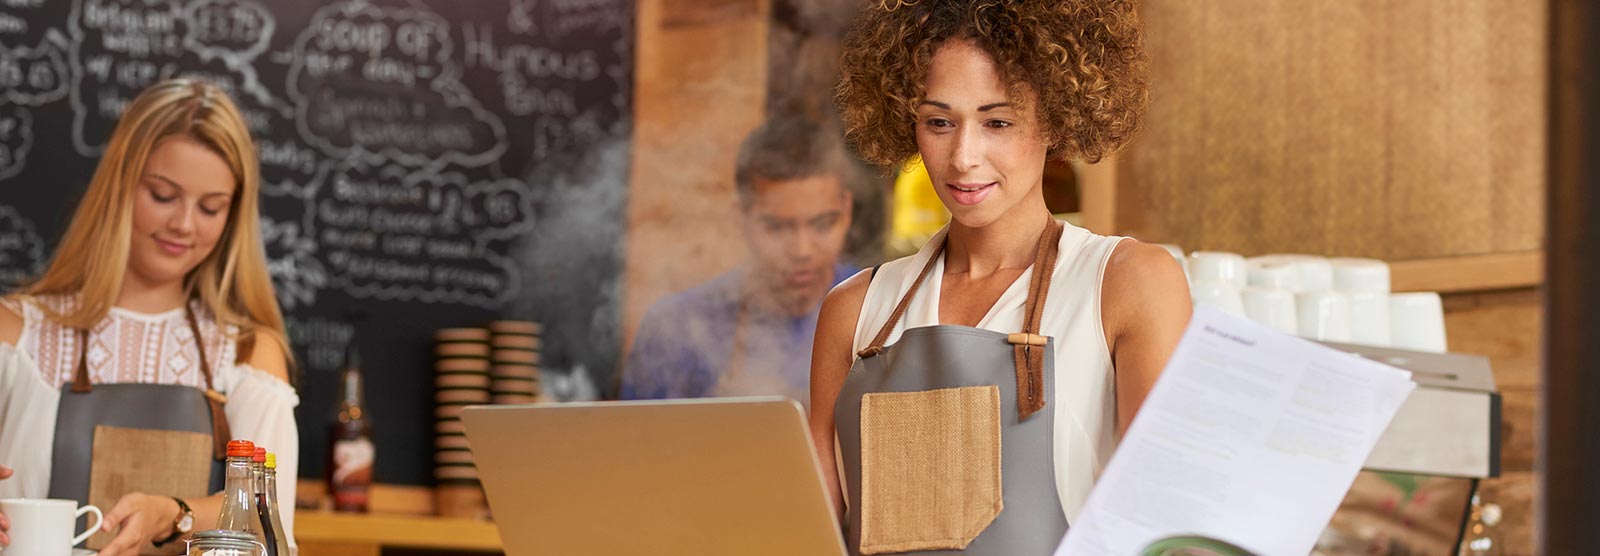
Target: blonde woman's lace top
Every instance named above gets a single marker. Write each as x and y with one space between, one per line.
131 347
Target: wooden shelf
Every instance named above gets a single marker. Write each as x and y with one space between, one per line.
1495 271
386 498
394 531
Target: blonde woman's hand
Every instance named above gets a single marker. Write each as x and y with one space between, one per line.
5 524
138 519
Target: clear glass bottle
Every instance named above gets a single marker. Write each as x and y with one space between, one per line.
238 493
258 478
279 543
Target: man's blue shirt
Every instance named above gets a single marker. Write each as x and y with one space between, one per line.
685 344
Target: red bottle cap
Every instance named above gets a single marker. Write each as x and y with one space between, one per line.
260 455
241 449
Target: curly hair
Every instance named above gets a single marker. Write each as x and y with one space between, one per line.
1084 59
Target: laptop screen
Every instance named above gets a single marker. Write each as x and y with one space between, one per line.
671 477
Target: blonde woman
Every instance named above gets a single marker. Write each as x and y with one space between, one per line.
164 248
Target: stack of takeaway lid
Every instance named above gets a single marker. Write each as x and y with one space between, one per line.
461 366
514 369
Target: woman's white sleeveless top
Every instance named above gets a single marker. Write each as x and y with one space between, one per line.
1084 401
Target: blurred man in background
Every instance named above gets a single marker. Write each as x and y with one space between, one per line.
749 331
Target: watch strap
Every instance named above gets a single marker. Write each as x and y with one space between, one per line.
183 511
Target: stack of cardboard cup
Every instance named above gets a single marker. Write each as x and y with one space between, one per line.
514 361
461 379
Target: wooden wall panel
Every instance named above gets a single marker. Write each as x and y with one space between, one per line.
1396 130
1517 432
1336 100
700 88
1517 125
1441 195
1507 327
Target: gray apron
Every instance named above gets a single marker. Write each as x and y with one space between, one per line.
156 407
945 450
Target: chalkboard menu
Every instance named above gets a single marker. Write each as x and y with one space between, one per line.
425 164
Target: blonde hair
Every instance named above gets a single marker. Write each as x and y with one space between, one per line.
92 260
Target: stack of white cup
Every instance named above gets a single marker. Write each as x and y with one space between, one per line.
1217 280
1365 282
1417 322
1270 299
1339 300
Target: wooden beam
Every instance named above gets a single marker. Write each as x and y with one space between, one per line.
1494 271
696 13
1569 497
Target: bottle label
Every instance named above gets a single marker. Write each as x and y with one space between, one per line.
352 471
226 552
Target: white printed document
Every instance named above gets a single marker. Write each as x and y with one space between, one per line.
1251 436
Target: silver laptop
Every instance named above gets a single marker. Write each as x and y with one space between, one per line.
734 476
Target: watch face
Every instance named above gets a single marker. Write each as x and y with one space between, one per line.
185 523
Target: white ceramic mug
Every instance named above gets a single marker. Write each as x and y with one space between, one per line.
1213 266
1360 275
1314 273
1416 322
1272 307
1220 295
1324 315
1274 274
43 527
1369 318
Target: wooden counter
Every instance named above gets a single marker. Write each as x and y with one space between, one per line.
322 533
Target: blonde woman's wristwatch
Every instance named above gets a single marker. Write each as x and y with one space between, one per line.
180 526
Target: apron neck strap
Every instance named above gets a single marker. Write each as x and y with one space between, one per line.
80 375
1027 345
221 434
876 347
1044 265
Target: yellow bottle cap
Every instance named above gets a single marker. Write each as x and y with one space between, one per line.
272 460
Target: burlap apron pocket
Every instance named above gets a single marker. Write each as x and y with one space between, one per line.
169 463
930 468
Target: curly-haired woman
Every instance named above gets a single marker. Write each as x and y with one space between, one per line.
973 391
